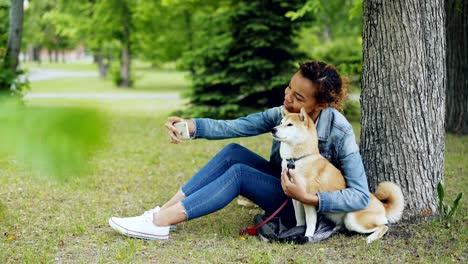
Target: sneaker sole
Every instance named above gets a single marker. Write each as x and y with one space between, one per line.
130 233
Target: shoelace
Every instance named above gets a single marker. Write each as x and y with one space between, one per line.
148 216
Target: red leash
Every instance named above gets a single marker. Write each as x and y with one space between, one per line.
253 230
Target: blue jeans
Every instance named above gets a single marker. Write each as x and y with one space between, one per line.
235 171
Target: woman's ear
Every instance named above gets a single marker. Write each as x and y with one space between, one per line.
321 106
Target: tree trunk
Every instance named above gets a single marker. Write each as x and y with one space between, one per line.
456 115
126 55
10 62
30 52
15 34
56 55
103 65
403 99
37 54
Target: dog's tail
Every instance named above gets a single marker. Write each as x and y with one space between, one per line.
392 198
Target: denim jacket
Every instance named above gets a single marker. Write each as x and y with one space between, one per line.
336 143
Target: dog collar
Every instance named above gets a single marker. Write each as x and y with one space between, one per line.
291 162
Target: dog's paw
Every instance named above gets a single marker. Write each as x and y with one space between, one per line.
371 239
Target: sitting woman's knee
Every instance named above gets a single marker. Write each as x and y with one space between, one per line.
232 147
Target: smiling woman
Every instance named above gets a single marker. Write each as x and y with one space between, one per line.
236 170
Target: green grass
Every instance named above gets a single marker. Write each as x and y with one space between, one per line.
55 222
44 221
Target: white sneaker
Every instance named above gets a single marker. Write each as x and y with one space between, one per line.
156 210
140 226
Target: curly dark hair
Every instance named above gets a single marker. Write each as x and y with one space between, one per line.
332 89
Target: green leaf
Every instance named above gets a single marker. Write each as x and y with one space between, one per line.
441 194
456 203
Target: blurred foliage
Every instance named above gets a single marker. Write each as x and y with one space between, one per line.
352 110
335 37
4 16
246 60
344 53
11 83
53 141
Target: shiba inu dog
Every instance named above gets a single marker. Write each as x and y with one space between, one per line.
299 146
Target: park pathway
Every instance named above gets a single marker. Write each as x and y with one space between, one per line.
35 75
102 96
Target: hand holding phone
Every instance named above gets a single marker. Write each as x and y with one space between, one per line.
183 127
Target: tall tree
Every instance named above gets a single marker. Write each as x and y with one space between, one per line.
9 63
403 98
456 116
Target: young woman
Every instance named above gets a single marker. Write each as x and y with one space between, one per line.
236 170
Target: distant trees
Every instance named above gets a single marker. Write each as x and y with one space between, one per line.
47 27
116 31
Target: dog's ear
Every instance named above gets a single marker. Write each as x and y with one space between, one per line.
284 111
304 117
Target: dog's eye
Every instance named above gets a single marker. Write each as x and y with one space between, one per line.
289 124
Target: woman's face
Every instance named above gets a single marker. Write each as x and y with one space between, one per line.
301 93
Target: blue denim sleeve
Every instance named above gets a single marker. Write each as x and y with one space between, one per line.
251 125
356 195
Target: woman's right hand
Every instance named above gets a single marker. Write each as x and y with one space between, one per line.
172 131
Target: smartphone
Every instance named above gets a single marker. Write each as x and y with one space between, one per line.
182 126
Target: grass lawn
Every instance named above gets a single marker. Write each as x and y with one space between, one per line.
42 220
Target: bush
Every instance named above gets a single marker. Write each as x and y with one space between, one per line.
12 82
246 61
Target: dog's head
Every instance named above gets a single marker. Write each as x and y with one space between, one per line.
295 128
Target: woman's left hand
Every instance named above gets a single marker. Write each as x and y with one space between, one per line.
295 189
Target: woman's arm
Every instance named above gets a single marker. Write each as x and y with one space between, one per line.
356 195
251 125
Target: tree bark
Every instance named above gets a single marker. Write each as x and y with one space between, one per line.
15 34
403 99
126 54
456 25
37 54
103 65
